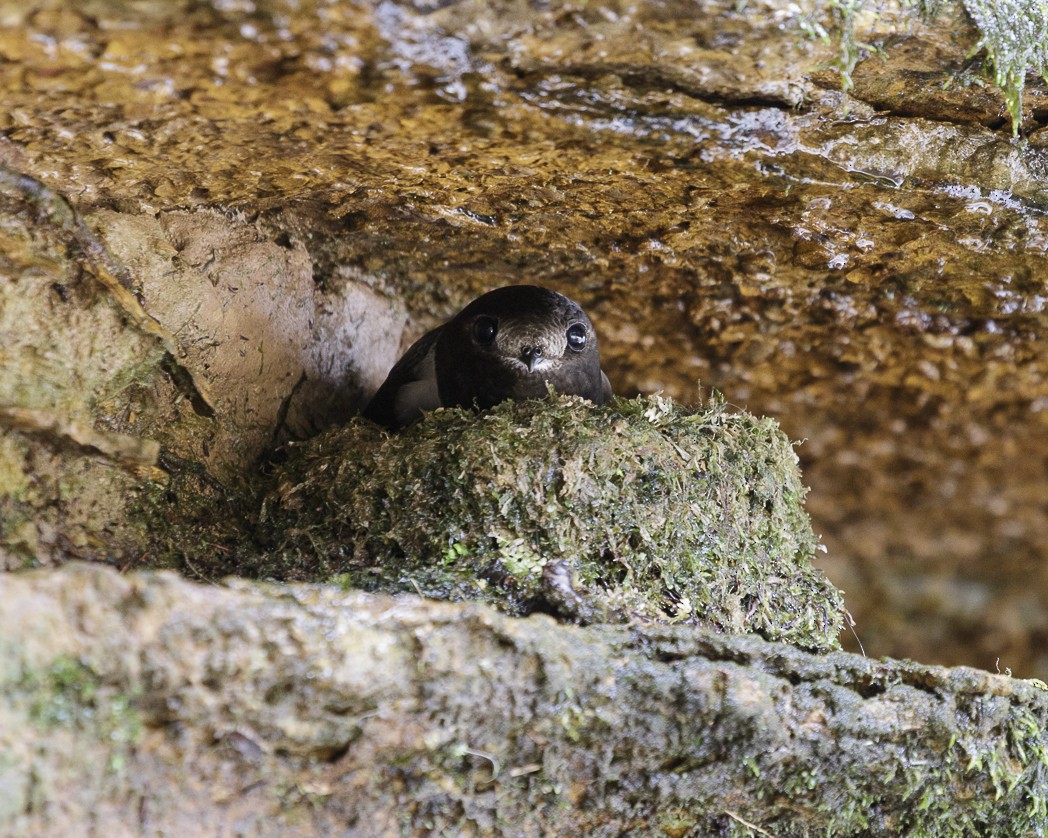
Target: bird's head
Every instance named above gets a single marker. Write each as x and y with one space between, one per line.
512 341
531 343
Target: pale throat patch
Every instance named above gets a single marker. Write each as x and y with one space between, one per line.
544 365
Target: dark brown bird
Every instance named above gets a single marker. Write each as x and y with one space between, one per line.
508 344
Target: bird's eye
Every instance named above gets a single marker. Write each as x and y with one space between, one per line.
577 336
484 330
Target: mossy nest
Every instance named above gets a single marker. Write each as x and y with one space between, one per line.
636 510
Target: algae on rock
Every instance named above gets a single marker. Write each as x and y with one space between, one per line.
1015 37
1014 34
657 512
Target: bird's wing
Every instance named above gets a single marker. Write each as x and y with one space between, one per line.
606 395
410 387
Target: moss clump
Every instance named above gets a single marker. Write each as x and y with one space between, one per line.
637 510
1014 34
194 523
1015 37
70 694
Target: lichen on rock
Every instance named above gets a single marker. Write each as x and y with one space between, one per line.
637 510
143 703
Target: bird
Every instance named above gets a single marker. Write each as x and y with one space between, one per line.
512 343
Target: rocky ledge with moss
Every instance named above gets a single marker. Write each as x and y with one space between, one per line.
149 704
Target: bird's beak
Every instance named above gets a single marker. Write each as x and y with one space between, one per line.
531 357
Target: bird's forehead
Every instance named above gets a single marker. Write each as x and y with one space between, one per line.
548 331
525 303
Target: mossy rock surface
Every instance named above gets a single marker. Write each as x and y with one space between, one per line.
636 510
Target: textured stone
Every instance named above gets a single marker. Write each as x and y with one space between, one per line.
145 703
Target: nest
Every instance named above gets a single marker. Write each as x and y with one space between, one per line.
637 510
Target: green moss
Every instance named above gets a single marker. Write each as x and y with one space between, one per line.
842 13
70 694
198 525
1014 34
62 692
676 824
980 768
637 510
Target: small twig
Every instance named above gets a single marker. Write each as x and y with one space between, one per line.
198 572
285 407
524 770
747 824
495 768
851 626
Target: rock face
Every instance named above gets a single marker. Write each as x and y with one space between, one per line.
285 188
219 224
147 704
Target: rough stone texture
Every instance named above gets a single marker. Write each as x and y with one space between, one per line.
69 358
267 199
866 268
146 704
288 356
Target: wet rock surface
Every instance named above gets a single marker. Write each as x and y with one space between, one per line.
866 269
